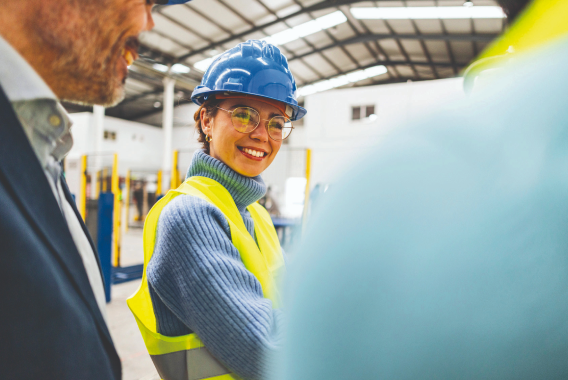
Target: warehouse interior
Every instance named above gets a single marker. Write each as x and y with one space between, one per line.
373 77
376 72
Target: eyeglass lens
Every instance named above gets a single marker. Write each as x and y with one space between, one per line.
246 119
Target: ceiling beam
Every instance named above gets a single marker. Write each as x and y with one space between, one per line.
390 63
154 54
140 96
151 112
144 69
316 7
389 81
422 37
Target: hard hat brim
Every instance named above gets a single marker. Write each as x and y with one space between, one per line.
202 96
171 2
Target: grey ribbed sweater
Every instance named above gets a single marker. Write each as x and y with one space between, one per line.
198 282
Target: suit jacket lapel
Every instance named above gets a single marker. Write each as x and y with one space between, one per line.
71 201
24 177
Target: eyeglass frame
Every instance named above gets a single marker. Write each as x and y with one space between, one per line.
259 120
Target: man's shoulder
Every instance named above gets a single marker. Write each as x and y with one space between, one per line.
517 122
43 301
467 166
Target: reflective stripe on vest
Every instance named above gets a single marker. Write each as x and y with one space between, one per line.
185 357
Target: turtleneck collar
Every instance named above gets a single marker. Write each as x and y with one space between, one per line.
244 190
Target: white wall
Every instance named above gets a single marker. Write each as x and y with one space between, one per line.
139 146
328 130
336 140
185 141
183 116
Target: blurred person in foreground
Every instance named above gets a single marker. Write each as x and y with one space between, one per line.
445 254
52 305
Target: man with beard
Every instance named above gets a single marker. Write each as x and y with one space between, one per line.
52 304
444 256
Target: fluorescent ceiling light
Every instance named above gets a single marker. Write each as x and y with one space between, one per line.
356 76
292 34
160 67
204 64
180 69
339 81
307 28
416 13
342 80
323 86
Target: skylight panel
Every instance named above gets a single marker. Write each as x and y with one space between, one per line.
180 69
203 65
417 13
307 28
160 67
342 80
291 34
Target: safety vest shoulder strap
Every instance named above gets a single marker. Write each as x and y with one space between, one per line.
212 191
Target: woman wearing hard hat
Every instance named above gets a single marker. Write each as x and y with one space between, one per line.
208 305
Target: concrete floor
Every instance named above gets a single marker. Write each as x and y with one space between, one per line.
136 363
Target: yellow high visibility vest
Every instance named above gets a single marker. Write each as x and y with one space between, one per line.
185 357
542 22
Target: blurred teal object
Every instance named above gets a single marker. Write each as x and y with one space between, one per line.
444 254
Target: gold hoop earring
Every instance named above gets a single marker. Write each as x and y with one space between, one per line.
208 138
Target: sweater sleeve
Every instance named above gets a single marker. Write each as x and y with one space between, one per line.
198 274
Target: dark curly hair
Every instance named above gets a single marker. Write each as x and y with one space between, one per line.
211 111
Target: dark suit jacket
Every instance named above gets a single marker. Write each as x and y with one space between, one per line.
50 324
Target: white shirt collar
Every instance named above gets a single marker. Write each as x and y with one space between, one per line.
43 119
18 79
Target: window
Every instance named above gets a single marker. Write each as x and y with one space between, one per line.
110 135
356 113
363 113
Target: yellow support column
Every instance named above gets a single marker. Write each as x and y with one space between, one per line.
95 184
174 173
307 192
126 199
159 183
116 217
83 188
104 180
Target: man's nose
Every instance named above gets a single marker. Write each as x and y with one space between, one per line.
149 19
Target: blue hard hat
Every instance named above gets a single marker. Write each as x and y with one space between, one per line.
171 2
252 68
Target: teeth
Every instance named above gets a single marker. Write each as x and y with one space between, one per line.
128 57
254 152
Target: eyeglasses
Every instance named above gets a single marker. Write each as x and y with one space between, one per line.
246 120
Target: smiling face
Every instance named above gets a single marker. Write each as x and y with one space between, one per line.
248 154
80 48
